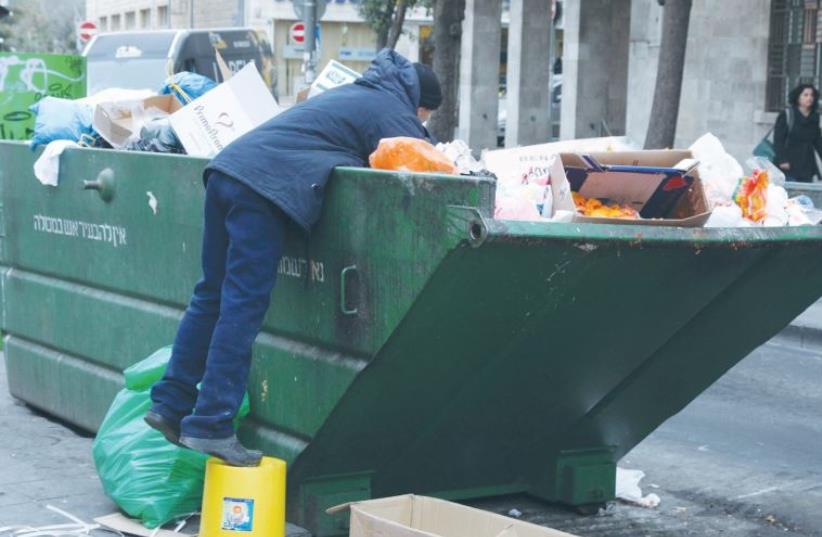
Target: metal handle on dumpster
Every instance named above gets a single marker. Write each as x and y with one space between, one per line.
104 184
344 293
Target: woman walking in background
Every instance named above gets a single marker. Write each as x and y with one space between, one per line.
797 136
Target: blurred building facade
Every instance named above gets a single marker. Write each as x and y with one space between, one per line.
742 59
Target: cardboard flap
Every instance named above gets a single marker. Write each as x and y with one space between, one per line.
214 120
225 71
339 508
117 121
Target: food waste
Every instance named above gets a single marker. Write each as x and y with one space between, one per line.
596 208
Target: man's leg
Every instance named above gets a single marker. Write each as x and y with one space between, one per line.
255 228
175 395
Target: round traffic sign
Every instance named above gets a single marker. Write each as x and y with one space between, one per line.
297 32
87 30
299 8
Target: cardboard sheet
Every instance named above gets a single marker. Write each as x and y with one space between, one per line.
422 516
211 122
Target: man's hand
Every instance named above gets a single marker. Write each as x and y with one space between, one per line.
785 166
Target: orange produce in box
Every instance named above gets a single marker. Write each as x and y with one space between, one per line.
595 208
752 196
407 154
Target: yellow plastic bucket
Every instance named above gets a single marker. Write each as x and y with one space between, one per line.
244 502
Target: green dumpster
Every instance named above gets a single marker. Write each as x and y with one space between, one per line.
812 190
414 344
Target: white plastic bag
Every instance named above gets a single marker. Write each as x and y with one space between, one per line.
460 154
719 171
727 216
775 207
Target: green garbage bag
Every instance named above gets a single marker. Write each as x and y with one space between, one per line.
149 478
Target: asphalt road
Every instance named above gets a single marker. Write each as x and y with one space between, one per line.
744 459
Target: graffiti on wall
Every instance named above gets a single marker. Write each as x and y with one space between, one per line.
27 78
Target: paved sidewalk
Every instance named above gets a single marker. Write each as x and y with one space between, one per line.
43 462
742 460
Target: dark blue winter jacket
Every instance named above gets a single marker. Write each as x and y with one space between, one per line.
289 158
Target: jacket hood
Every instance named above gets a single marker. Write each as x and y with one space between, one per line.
392 72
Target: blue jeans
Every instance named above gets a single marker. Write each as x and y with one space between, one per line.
242 245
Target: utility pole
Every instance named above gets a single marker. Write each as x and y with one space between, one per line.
310 53
191 14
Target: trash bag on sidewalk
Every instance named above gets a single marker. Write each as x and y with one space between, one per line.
148 477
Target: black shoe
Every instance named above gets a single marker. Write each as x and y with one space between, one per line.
228 449
168 429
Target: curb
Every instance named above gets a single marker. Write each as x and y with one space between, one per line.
804 337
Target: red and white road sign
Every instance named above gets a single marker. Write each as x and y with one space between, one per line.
297 32
86 31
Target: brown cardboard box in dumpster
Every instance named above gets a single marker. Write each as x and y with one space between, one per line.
421 516
663 186
118 121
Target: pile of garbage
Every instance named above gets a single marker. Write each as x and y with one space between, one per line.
756 198
191 114
605 180
608 181
102 119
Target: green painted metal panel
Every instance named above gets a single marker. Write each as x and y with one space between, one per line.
812 190
27 78
413 344
63 385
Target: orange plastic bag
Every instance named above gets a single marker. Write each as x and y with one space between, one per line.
752 196
407 154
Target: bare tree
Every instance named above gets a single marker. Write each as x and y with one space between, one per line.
396 25
448 15
386 18
665 110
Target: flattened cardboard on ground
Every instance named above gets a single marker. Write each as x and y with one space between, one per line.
118 121
627 187
130 526
422 516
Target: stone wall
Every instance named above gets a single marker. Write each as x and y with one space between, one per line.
723 88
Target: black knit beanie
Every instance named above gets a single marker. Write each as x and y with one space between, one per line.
430 91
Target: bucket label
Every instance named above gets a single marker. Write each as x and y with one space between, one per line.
238 514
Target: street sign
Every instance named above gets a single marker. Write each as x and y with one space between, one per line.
299 8
297 32
86 31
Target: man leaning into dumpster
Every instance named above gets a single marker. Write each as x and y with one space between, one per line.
272 175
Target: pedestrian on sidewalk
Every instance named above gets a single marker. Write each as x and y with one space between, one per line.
797 136
256 187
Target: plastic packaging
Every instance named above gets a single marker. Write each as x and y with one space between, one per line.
752 196
516 204
410 155
157 136
460 154
776 199
718 170
60 119
148 477
776 176
801 212
187 86
727 216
